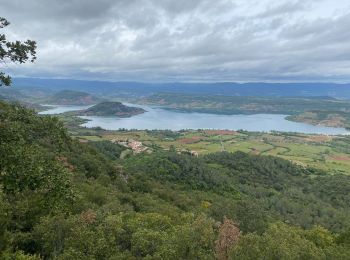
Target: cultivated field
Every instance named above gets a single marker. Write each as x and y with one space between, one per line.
324 152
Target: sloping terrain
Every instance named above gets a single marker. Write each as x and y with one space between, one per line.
63 199
110 109
70 97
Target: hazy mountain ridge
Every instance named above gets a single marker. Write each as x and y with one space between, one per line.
219 88
71 97
325 111
245 103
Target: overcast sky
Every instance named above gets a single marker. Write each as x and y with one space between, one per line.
184 40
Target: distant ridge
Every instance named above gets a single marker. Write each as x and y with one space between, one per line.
72 97
341 91
110 109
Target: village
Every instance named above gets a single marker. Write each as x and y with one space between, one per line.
138 147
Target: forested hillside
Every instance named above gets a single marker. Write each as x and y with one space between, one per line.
132 89
63 199
110 109
70 97
219 104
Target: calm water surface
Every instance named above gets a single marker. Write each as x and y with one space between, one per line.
58 109
158 118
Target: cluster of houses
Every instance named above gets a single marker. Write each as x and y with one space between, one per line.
184 151
138 147
135 146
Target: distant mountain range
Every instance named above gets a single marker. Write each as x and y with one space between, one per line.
71 97
135 89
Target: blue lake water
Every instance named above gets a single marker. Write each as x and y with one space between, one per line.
59 109
158 118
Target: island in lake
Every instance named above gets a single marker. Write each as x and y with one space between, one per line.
110 109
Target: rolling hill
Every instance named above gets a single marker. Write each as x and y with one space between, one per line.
71 97
110 109
65 199
130 89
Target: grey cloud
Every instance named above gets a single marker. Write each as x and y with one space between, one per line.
286 8
165 40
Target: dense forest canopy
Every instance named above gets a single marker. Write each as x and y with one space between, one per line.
63 199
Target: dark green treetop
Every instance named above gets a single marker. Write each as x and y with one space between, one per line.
16 52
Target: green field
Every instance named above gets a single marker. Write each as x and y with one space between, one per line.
318 151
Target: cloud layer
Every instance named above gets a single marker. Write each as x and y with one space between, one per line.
184 40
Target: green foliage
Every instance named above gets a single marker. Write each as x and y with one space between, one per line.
87 160
28 145
109 149
281 241
291 193
140 235
17 52
62 199
4 221
183 169
251 215
18 255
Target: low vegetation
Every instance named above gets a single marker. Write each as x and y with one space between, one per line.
61 198
327 118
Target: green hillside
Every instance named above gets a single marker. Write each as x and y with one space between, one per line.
324 117
71 97
10 93
111 109
64 199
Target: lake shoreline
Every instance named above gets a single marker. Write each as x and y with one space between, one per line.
159 118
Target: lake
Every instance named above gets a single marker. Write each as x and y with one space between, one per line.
162 119
59 109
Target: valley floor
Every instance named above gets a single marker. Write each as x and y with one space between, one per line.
329 153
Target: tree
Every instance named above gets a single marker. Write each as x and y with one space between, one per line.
228 237
281 241
15 52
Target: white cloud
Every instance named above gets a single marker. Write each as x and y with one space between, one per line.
166 40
